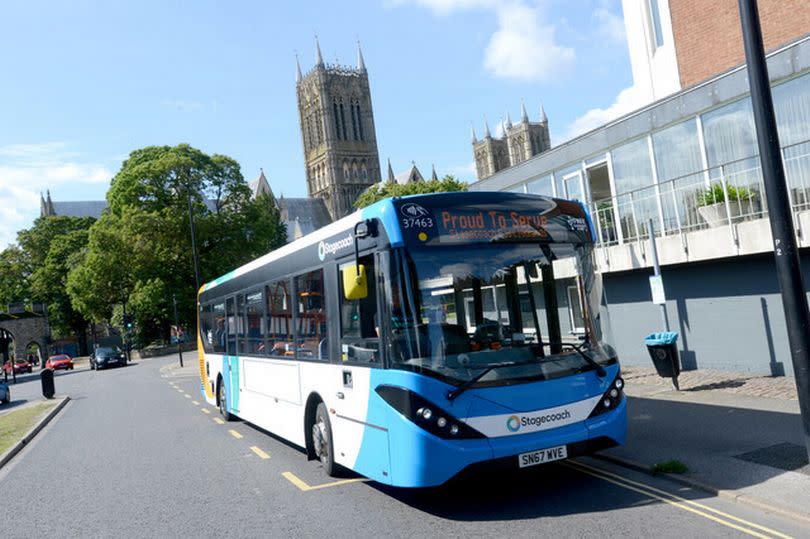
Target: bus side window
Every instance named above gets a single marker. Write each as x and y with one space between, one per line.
219 329
310 330
360 340
253 316
278 327
206 328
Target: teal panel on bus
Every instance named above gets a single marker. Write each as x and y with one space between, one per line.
234 392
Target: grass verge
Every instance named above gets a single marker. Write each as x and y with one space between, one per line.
15 425
670 466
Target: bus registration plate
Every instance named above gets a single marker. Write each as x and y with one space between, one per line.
541 456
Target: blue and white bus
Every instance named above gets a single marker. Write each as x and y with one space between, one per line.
422 336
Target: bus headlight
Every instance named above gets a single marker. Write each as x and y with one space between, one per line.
425 414
611 399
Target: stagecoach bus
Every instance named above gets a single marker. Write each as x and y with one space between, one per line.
422 336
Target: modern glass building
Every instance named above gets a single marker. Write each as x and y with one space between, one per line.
688 166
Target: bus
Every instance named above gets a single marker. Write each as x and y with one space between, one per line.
420 337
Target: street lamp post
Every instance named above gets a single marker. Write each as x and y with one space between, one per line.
193 240
788 267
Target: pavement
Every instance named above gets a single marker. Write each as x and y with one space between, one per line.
740 436
137 452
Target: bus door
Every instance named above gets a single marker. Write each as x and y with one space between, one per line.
359 357
230 365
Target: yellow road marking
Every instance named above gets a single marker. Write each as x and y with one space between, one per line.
219 421
684 500
676 501
262 454
195 403
302 485
235 434
205 410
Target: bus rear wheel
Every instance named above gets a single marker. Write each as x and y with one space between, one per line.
223 402
322 440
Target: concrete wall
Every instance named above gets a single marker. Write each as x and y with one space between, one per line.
728 313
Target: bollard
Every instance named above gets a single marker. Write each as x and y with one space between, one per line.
47 383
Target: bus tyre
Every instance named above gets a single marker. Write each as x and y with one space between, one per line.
322 440
223 403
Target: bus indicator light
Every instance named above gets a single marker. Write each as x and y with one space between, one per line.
441 422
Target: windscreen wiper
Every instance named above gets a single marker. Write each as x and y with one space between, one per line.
453 394
600 370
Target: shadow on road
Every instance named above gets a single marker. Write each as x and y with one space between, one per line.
12 405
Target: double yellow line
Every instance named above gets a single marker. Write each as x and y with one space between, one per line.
736 523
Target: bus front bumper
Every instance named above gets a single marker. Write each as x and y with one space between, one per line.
431 461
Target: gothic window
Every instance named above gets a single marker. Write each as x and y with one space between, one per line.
359 121
346 176
337 118
343 121
354 124
364 171
355 171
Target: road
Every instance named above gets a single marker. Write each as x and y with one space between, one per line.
136 452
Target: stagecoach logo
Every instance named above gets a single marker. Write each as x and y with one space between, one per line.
577 224
412 210
330 248
513 423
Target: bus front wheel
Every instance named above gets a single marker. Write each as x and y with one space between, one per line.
223 402
322 439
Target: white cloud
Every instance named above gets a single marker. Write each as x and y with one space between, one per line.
523 46
610 24
28 169
627 101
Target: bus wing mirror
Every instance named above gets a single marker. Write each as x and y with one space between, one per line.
355 284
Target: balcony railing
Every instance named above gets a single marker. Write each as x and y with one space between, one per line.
718 196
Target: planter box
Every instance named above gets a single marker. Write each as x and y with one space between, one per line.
715 214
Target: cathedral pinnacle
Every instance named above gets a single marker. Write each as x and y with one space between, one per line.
298 76
543 118
361 64
508 120
391 177
474 137
486 129
318 57
524 116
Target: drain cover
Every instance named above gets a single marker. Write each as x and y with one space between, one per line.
785 456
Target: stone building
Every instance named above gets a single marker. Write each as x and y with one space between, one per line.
518 143
337 131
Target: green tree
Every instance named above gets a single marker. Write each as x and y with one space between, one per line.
14 274
380 191
139 253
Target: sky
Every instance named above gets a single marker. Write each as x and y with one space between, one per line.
83 83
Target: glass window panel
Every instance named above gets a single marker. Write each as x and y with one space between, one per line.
218 337
637 201
729 133
792 103
541 186
254 324
562 185
360 324
310 330
279 319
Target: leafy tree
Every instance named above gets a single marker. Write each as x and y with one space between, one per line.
14 275
140 251
380 191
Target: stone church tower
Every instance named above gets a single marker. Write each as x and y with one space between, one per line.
337 129
519 142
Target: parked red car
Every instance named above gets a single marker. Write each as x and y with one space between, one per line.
20 366
60 361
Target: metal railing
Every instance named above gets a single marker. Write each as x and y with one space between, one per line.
718 196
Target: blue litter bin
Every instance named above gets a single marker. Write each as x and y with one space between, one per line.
663 351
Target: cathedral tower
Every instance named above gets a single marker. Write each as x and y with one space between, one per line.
337 130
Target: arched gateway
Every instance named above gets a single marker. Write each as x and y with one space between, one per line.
21 330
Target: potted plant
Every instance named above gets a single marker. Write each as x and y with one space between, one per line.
712 203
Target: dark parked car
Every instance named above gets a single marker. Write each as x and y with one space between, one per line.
5 393
105 357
